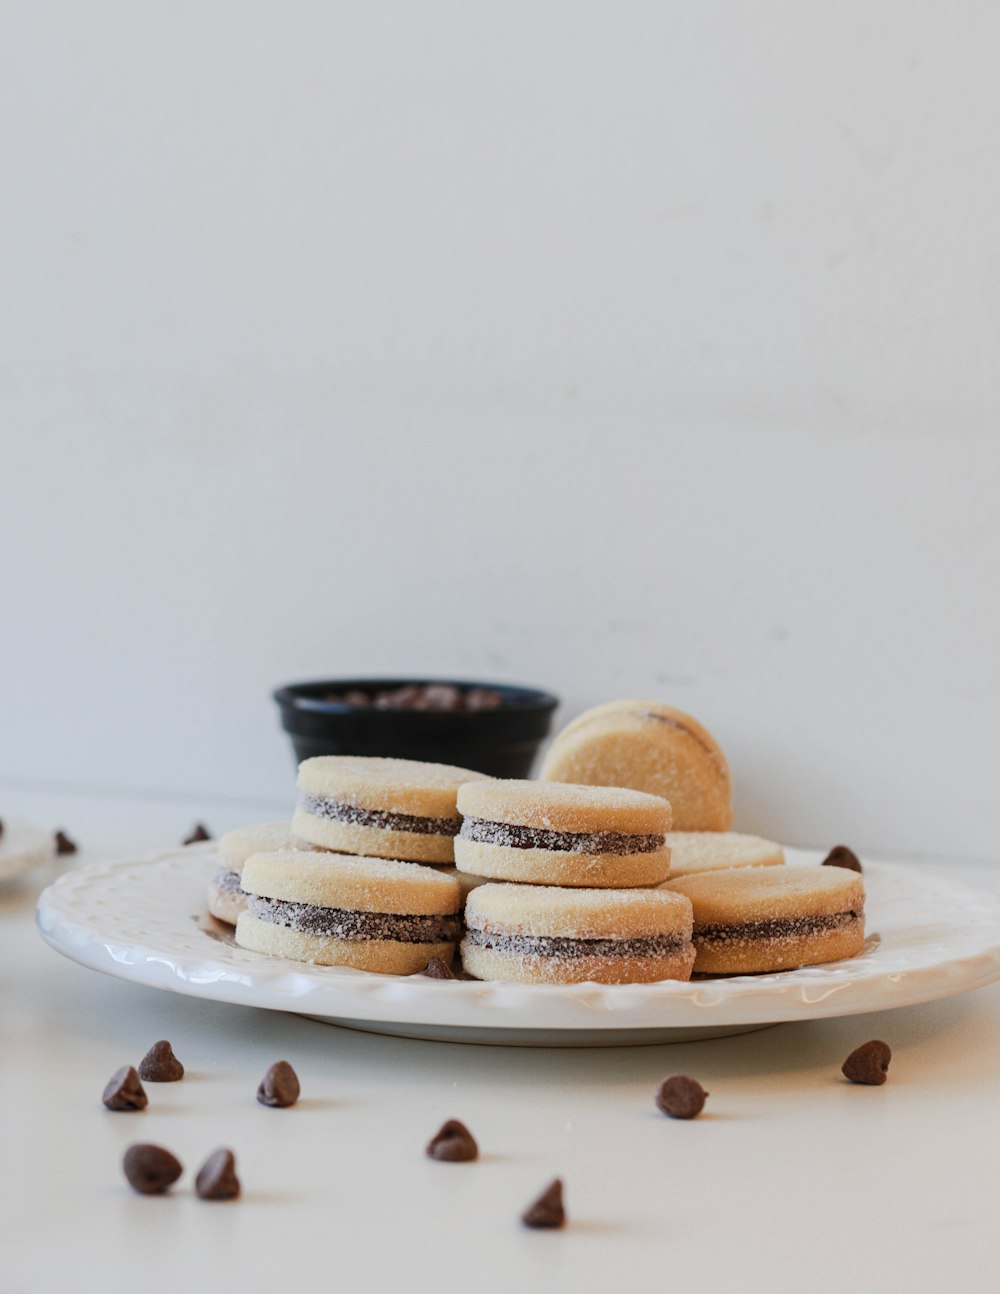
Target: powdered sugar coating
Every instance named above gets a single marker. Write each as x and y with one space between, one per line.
654 748
538 968
711 851
238 845
745 894
393 785
350 881
559 806
385 956
578 913
556 867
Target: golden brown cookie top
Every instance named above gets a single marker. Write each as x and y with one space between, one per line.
559 806
350 881
745 894
392 785
547 910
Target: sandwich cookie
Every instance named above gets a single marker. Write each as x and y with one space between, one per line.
649 747
538 934
555 834
752 919
713 851
383 808
341 910
226 898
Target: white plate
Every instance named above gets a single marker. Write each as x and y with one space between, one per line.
144 920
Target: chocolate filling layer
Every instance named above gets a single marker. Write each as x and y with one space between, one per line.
324 807
343 923
569 842
747 931
550 946
228 881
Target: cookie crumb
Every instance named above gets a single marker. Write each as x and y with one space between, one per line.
124 1091
681 1097
868 1064
150 1169
453 1143
217 1178
280 1086
160 1065
547 1211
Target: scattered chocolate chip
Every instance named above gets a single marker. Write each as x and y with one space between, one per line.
124 1091
681 1097
63 843
150 1169
437 968
160 1065
547 1210
841 856
1 828
868 1064
217 1178
453 1143
199 832
279 1086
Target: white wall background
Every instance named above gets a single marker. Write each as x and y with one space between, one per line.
629 348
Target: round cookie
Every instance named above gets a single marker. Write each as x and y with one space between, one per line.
533 934
757 919
382 808
226 897
342 910
713 851
649 747
539 833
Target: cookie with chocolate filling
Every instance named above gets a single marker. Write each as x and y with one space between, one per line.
226 897
341 910
541 934
754 919
383 808
715 851
649 747
555 834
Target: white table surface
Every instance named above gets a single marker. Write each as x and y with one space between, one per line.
792 1179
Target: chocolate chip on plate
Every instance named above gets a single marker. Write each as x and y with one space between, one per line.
199 832
160 1065
150 1169
217 1178
279 1086
438 968
453 1143
841 856
124 1091
63 843
868 1064
547 1210
681 1097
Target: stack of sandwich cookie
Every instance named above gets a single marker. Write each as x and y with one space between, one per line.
533 934
556 834
226 897
383 808
713 851
650 747
759 919
336 910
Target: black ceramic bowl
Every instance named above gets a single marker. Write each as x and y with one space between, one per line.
501 742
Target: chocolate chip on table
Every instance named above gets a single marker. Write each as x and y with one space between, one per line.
124 1091
280 1086
63 843
160 1065
453 1143
150 1169
868 1064
841 856
681 1097
217 1178
438 968
547 1211
199 832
